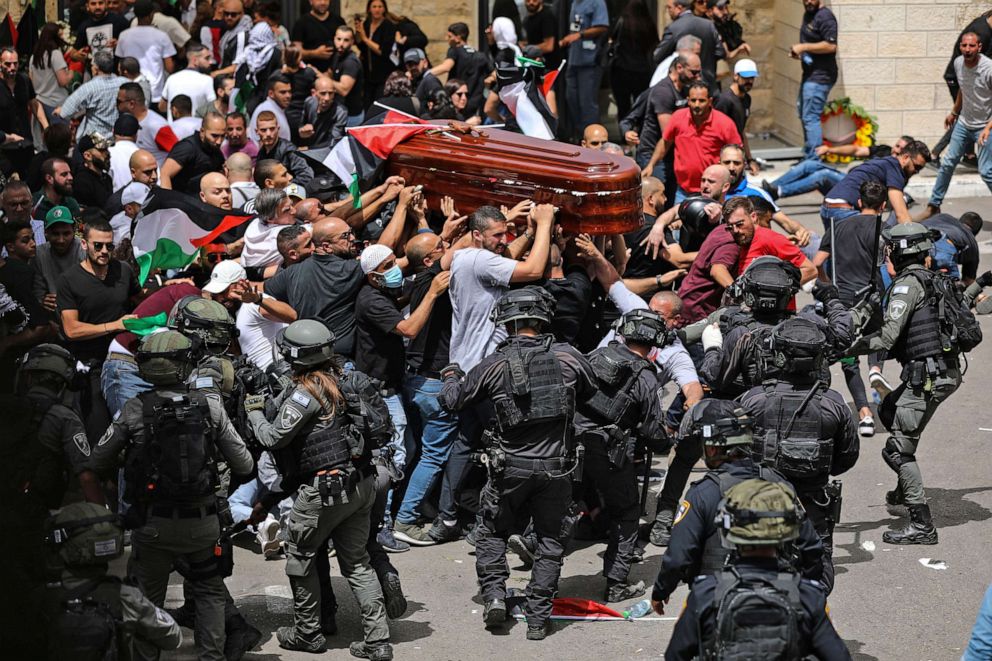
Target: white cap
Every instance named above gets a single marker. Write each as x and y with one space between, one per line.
746 69
373 256
225 274
135 192
295 190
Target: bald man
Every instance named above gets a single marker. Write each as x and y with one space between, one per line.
324 121
215 190
144 170
595 136
240 173
308 210
194 156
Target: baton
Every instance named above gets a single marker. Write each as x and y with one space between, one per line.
648 459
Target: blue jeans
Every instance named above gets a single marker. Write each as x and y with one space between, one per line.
681 194
398 442
120 382
806 176
582 95
962 139
812 99
659 170
438 430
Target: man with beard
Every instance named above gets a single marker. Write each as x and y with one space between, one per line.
735 103
222 86
418 68
235 37
91 179
17 104
154 133
60 252
346 70
237 140
195 156
279 91
57 190
97 15
192 81
271 146
313 33
664 99
324 121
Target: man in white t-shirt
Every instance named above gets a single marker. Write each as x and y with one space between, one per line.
150 46
125 133
154 133
280 93
192 81
275 211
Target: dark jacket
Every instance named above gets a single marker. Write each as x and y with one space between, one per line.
285 152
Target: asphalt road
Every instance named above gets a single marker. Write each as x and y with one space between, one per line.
886 605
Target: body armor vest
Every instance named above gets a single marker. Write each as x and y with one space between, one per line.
328 446
757 617
534 389
794 442
922 336
617 370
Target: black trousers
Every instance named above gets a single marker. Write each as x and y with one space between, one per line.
687 453
817 507
618 488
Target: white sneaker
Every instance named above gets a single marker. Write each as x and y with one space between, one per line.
879 383
867 426
267 531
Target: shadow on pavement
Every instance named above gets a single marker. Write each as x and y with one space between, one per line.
854 647
950 507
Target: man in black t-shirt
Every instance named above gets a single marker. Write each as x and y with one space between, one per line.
418 68
465 63
735 102
314 33
91 181
16 100
99 16
541 30
346 70
195 156
664 99
817 50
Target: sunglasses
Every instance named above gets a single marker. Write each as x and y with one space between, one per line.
100 245
460 94
232 13
344 235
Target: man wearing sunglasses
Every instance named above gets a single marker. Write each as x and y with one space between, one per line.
664 99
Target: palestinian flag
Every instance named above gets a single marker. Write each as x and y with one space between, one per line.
173 229
356 160
549 79
520 90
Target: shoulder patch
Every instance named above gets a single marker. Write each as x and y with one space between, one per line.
163 618
684 507
301 399
82 444
897 309
106 435
900 289
204 383
289 416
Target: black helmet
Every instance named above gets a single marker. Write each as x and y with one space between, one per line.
530 302
692 213
718 423
756 512
207 319
769 284
47 359
644 326
86 534
166 358
306 344
796 346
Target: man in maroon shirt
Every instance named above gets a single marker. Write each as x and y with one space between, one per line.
711 273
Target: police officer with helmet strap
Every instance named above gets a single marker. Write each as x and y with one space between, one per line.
88 614
754 609
804 429
173 438
534 384
624 411
915 331
696 548
325 425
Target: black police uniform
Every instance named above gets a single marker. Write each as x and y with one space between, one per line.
695 632
822 441
533 384
625 410
696 547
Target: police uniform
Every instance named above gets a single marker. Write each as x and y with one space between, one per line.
533 384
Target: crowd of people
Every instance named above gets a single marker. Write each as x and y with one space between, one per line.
363 373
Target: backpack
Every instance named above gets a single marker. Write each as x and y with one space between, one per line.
82 627
756 618
958 326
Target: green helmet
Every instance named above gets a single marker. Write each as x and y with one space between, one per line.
166 358
530 302
207 319
306 344
86 534
718 423
49 359
908 239
756 512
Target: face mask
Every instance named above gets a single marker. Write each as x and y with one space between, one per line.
393 278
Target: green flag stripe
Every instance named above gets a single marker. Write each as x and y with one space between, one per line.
167 255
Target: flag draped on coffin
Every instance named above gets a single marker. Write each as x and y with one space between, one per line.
358 157
520 89
173 229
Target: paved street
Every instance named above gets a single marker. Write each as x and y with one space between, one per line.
886 605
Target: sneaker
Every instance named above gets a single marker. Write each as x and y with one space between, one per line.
392 593
623 591
389 543
441 532
494 614
539 631
413 534
867 426
288 640
879 383
518 544
373 651
267 537
770 189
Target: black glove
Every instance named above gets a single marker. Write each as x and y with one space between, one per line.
452 370
985 279
825 292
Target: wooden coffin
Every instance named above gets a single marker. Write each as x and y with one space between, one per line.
595 192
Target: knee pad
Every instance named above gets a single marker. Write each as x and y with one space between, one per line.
893 457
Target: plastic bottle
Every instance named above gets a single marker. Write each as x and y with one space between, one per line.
640 609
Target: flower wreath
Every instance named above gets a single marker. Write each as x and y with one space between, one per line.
867 125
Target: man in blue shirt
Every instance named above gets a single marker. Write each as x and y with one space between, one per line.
588 24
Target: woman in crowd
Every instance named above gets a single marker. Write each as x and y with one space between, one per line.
375 36
457 91
301 79
50 75
633 40
397 94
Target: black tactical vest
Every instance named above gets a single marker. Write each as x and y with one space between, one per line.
83 623
534 389
757 617
921 338
328 446
794 443
617 370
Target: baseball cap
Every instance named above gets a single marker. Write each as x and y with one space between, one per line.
135 192
414 55
225 274
93 141
746 69
295 190
373 256
58 214
127 125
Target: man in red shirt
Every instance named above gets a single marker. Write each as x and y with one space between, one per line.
697 134
711 273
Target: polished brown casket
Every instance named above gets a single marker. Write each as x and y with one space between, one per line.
595 192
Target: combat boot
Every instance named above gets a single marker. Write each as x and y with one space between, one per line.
661 529
617 591
372 651
241 637
919 531
288 640
539 631
495 613
392 593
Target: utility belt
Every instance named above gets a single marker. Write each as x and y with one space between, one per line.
426 373
496 460
921 373
617 443
830 498
335 484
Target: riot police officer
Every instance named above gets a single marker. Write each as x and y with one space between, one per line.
324 433
173 438
804 429
624 411
726 435
74 609
533 384
754 610
916 332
